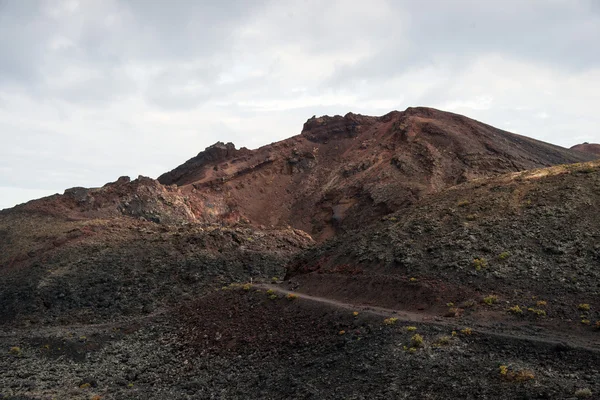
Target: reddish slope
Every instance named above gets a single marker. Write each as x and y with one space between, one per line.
591 148
344 172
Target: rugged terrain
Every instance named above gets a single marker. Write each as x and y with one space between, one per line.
341 173
473 274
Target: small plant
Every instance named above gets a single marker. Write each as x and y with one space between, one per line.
15 351
341 333
247 287
85 386
491 299
96 397
355 313
584 307
504 255
444 341
516 310
597 324
292 296
416 341
471 217
519 376
503 370
585 321
274 279
537 311
479 263
411 328
468 304
583 393
273 297
541 303
454 333
390 321
130 385
412 280
270 292
466 331
463 203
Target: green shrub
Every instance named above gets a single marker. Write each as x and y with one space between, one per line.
584 307
479 263
516 310
416 341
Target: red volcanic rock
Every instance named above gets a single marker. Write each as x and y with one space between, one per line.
591 148
345 172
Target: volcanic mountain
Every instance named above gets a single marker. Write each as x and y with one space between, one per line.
452 260
341 173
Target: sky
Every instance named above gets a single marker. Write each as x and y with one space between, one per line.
94 89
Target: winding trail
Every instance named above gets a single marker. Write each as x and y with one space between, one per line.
545 336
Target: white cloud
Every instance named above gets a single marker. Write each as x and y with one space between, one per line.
96 89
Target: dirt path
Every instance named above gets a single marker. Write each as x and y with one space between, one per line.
510 332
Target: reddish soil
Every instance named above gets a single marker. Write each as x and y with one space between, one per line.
591 148
344 172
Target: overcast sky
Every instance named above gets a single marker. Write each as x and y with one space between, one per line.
91 90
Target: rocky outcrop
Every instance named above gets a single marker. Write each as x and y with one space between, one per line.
210 157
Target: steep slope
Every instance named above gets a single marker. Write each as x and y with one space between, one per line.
591 148
126 249
521 236
344 172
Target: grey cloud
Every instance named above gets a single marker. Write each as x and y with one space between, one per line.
116 87
558 33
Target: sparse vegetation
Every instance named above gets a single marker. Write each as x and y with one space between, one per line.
355 313
541 303
522 375
463 203
412 280
537 311
479 263
515 310
247 287
583 393
390 321
411 328
15 351
342 332
443 341
466 331
270 292
291 296
583 307
416 341
491 299
504 255
273 297
85 386
585 321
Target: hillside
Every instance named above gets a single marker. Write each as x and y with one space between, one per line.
341 173
591 148
451 260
